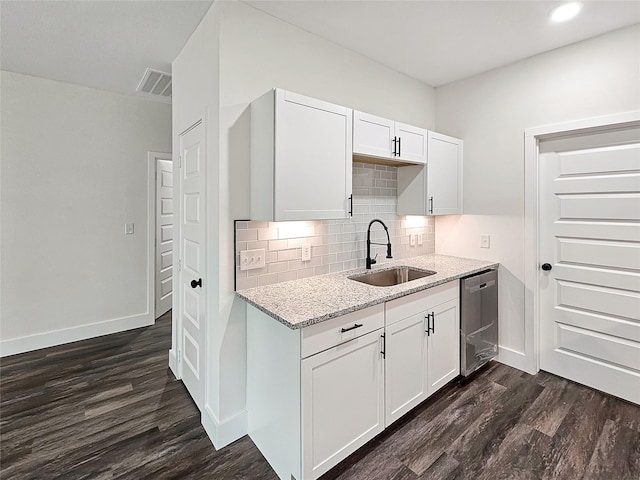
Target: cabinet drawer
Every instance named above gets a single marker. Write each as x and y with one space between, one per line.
415 303
329 333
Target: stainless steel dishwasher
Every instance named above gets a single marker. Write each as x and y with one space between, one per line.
478 320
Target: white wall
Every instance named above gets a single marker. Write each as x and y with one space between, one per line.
491 112
74 171
195 97
258 52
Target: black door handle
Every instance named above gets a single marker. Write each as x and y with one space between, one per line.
195 284
546 267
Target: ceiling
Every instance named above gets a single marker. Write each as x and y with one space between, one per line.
108 44
443 41
100 44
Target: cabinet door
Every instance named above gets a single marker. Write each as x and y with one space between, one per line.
342 402
372 135
444 175
405 366
313 156
412 143
443 345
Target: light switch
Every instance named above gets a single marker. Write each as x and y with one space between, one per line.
306 252
128 228
420 238
251 259
485 241
412 239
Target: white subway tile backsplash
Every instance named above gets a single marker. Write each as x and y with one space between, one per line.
289 254
267 279
247 235
337 245
267 233
306 272
319 250
278 267
336 267
275 245
242 283
321 270
271 257
287 276
255 224
257 244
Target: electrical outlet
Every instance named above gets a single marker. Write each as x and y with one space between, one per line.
412 239
252 259
306 252
485 241
420 238
128 228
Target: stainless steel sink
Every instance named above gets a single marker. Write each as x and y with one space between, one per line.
392 276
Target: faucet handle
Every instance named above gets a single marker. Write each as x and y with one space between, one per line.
373 260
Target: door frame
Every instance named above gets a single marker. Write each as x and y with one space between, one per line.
151 225
532 139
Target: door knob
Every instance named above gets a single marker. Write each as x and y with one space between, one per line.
546 267
197 283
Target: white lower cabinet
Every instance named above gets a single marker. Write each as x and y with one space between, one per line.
405 366
443 345
316 395
423 347
342 401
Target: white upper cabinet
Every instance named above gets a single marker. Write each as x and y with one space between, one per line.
444 175
386 139
301 157
411 143
435 188
372 135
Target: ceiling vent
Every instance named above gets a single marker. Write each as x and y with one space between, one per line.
155 82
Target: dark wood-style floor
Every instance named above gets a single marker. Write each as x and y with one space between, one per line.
110 408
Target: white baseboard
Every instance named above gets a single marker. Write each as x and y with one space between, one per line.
517 360
73 334
223 433
173 363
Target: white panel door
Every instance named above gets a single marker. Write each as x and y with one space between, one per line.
444 175
411 143
313 158
164 235
373 136
443 345
192 261
405 366
342 402
590 238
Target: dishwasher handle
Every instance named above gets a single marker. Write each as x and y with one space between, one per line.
482 286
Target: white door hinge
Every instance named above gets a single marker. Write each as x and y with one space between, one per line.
179 264
180 161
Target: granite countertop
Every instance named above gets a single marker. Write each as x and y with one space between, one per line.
300 303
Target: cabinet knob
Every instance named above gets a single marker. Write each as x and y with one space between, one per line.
546 267
197 283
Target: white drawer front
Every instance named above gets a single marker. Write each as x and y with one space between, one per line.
415 303
329 333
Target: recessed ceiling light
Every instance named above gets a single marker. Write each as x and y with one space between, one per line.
566 12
